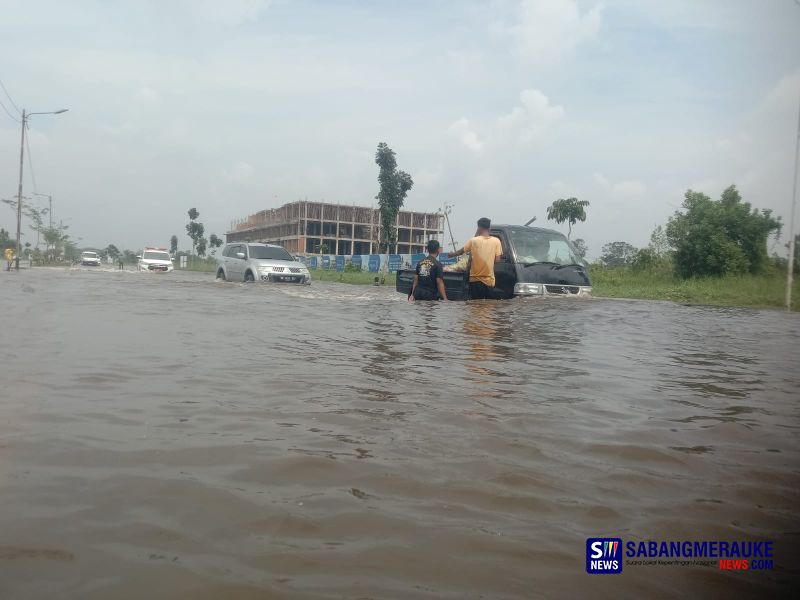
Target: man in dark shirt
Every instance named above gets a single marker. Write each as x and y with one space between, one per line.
429 278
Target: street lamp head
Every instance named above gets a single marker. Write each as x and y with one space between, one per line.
63 110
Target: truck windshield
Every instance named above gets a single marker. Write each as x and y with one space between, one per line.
269 252
535 246
155 256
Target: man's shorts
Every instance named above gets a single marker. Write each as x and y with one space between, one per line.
480 291
421 293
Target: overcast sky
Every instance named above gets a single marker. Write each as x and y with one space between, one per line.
496 107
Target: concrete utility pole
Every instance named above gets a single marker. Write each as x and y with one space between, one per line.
19 190
790 270
25 117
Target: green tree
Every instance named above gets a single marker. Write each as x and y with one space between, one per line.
202 243
580 247
570 210
617 254
214 242
194 229
720 237
394 186
112 251
6 241
173 244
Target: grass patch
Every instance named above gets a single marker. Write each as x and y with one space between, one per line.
745 290
198 265
354 277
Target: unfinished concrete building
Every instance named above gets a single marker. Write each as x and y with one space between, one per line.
302 227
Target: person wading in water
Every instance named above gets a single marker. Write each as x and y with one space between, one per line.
486 251
429 277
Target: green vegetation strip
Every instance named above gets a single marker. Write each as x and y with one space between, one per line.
756 291
354 277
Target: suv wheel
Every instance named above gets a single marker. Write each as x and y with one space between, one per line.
248 277
221 275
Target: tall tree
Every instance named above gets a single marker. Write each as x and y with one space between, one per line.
201 246
112 251
394 186
173 244
720 237
214 242
571 210
618 254
581 247
194 229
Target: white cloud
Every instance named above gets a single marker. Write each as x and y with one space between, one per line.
462 131
146 95
533 118
229 12
241 172
628 189
547 30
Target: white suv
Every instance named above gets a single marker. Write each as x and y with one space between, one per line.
155 259
90 259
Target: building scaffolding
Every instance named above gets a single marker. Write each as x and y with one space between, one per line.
304 227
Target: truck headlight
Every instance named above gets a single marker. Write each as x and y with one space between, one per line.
528 289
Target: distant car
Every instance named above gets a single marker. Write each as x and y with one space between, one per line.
260 262
155 259
90 259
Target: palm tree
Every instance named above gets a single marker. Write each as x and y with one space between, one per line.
571 210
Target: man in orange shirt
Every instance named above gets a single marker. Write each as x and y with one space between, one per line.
486 250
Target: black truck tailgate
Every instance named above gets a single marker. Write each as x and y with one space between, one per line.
455 283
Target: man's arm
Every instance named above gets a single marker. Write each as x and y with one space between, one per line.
467 247
440 285
413 287
498 251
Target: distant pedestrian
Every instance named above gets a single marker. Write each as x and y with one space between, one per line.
8 254
120 263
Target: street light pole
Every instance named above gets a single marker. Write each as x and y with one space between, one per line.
790 270
25 117
19 190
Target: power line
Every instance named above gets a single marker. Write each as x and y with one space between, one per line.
8 113
16 108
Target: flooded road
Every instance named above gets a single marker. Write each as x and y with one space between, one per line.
172 436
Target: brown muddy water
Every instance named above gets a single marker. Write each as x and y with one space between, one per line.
168 436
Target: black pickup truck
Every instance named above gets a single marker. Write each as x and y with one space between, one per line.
535 262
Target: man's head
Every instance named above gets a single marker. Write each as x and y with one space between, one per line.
483 226
433 247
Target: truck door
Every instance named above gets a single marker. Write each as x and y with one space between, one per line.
505 271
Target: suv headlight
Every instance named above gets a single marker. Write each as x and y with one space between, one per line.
528 289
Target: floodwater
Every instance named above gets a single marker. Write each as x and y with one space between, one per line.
169 436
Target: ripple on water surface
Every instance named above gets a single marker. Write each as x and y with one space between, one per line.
212 439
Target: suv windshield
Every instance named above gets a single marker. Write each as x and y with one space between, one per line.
155 256
269 252
89 255
533 246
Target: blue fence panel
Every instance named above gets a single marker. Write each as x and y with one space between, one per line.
442 258
395 263
340 263
356 261
326 262
312 262
415 258
374 264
